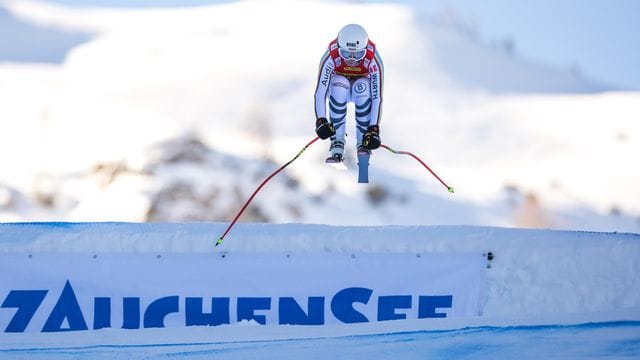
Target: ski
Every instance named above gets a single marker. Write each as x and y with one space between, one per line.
363 167
336 163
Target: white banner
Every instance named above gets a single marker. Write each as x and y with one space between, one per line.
83 292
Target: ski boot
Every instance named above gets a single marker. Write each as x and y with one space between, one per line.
337 151
337 154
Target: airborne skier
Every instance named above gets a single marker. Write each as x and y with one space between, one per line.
351 70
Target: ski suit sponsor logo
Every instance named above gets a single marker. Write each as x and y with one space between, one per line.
67 314
326 74
360 87
340 84
375 86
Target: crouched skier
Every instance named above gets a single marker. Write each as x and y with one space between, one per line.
350 71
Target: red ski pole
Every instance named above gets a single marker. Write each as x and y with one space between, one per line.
449 188
260 187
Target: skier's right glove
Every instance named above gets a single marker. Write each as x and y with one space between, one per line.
324 129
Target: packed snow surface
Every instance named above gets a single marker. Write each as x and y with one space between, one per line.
543 287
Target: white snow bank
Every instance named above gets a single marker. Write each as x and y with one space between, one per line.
542 274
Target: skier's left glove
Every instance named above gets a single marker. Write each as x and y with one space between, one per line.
371 139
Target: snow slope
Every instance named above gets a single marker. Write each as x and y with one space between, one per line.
523 146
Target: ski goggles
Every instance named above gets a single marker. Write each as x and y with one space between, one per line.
352 55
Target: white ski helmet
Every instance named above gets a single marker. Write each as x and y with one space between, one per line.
352 42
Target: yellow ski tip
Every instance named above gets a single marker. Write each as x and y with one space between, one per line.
450 189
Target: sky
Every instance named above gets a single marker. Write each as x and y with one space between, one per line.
599 37
599 40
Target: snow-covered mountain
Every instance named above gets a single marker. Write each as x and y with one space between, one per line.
178 114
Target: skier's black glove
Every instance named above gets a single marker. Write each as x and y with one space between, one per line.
324 129
371 139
